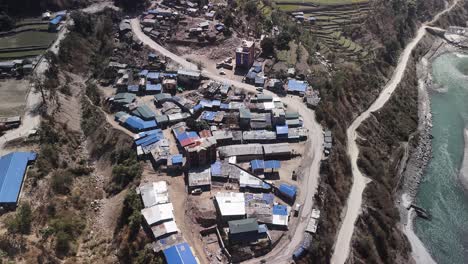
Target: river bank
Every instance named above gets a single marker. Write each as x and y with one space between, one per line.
421 149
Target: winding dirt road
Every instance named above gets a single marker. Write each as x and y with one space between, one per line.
342 244
282 253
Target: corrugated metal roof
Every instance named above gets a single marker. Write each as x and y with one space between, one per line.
12 169
243 226
272 164
177 159
297 86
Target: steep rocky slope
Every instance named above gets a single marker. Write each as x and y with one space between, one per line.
351 90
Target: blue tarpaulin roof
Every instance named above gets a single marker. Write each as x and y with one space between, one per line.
179 254
297 86
257 164
272 164
224 106
282 130
149 140
251 75
177 159
288 190
280 210
12 170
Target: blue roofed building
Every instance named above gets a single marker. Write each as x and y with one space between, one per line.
257 166
180 254
153 77
280 215
12 171
297 87
152 88
282 132
137 124
143 73
54 23
133 88
288 191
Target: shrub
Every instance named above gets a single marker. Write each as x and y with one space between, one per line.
61 181
21 222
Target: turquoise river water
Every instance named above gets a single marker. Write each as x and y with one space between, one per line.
441 192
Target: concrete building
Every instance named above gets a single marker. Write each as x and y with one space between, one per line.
230 205
199 179
245 54
154 193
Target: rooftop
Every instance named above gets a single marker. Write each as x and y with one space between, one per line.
12 169
231 204
243 226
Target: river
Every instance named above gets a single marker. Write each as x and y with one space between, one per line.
441 191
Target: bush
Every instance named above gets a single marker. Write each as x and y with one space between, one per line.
131 215
61 181
66 228
21 222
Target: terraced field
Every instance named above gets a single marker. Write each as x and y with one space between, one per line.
331 16
26 40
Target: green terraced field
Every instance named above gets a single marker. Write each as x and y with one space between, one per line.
29 38
324 2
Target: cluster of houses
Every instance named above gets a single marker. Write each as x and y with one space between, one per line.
217 134
15 68
158 213
179 21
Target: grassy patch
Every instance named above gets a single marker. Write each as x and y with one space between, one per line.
29 38
20 54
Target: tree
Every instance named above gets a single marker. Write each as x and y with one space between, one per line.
268 46
21 222
131 5
283 40
251 8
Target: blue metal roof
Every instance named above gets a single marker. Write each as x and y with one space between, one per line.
251 75
257 164
297 86
152 75
224 106
177 159
280 210
179 254
282 130
216 169
197 107
137 124
56 20
272 164
12 170
143 73
288 190
153 87
262 228
133 88
208 115
256 69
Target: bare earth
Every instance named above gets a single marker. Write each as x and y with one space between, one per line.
13 94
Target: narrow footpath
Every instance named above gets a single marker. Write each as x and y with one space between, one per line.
353 207
283 251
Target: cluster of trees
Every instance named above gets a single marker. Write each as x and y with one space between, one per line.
126 168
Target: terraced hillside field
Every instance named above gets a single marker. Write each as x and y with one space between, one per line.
331 16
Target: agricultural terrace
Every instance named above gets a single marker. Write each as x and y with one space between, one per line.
30 38
331 16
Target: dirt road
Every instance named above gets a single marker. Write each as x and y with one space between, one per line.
342 244
309 184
